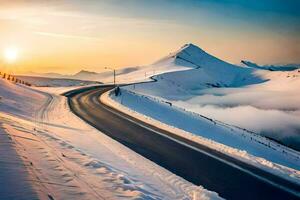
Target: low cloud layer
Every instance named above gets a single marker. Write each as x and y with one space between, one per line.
275 114
263 99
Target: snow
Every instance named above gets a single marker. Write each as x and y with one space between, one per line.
69 159
216 102
12 101
13 174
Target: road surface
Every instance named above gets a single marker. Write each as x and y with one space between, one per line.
230 178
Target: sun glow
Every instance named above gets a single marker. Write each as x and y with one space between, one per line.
11 54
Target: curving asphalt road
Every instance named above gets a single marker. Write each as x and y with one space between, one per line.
230 178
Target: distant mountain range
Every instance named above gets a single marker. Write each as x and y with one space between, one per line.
287 67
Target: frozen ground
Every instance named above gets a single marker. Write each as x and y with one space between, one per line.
228 106
64 158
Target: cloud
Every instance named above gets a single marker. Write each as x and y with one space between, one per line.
263 99
275 114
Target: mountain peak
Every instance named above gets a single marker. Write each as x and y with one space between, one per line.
192 56
189 55
191 48
190 45
85 72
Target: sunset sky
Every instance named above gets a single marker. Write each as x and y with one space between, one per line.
67 36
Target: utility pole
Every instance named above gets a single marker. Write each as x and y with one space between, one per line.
114 70
114 77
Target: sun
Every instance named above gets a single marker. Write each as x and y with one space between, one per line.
11 54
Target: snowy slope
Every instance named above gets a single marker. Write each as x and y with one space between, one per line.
65 158
12 100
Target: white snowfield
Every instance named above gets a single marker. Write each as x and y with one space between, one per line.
62 157
226 107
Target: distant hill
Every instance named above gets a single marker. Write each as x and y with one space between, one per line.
55 82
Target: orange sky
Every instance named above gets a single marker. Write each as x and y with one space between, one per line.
66 39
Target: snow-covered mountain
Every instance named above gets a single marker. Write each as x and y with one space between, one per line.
193 69
209 70
287 67
192 56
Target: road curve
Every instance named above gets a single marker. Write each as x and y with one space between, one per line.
230 178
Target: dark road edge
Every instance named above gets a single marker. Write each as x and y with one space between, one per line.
265 176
